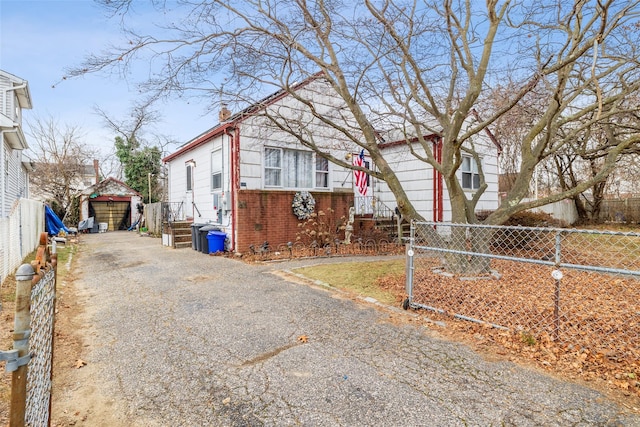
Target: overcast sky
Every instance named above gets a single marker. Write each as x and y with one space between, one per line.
42 38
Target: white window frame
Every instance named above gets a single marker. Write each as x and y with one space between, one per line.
278 169
321 174
275 168
189 173
216 169
469 168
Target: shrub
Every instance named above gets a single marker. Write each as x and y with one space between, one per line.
321 229
513 238
527 219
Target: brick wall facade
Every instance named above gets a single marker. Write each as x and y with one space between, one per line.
268 216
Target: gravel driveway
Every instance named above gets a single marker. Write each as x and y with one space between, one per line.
179 338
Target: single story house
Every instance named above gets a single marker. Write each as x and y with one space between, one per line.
245 176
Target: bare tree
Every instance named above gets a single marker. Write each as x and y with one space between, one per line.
63 161
422 66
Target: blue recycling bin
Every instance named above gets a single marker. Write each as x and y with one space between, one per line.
216 241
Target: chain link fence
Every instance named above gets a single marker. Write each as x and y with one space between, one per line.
31 359
567 291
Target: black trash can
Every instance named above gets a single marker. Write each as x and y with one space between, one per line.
195 236
202 236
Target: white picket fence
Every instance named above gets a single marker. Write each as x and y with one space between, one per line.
19 234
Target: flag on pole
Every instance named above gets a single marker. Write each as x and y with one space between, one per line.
360 177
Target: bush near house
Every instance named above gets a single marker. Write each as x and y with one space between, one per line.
521 239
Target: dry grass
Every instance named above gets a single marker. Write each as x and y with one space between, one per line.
8 297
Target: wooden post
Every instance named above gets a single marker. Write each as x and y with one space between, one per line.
24 278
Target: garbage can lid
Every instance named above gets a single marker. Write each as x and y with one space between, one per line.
216 233
209 228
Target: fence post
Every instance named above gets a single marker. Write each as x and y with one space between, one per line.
409 254
557 275
24 278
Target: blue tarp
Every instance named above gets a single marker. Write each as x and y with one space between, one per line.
52 223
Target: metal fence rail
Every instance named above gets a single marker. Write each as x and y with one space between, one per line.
576 287
31 360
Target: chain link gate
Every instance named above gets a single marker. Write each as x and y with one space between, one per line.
580 288
31 359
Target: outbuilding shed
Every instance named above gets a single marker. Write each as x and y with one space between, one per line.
110 202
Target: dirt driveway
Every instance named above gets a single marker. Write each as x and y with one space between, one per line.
152 336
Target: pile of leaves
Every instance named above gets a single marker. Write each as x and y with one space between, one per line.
584 327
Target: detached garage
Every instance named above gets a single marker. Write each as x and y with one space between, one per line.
110 202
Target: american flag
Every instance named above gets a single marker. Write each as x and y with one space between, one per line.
360 177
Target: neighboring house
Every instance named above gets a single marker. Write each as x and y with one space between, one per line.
14 169
242 175
110 202
49 178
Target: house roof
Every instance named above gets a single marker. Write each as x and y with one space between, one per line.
111 186
236 118
24 96
399 137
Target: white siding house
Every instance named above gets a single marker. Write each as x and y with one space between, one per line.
14 173
424 186
216 175
242 174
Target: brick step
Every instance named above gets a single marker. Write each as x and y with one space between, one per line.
182 238
182 245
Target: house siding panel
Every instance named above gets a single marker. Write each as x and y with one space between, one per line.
15 178
417 179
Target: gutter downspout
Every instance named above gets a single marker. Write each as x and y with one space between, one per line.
236 182
233 187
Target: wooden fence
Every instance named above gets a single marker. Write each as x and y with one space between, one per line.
621 211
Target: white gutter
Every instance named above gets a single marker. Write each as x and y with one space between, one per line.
22 86
27 95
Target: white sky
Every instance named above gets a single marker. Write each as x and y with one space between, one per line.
40 39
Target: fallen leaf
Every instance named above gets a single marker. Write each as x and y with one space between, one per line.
80 363
303 338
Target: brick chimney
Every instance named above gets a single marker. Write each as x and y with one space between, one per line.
225 113
96 169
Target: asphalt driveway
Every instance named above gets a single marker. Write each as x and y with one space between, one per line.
179 338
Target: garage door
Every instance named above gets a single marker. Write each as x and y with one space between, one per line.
116 214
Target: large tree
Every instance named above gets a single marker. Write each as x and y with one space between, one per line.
63 161
423 66
139 158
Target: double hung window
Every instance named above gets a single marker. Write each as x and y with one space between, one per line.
216 169
470 174
295 169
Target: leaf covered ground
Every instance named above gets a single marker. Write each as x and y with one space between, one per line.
598 337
